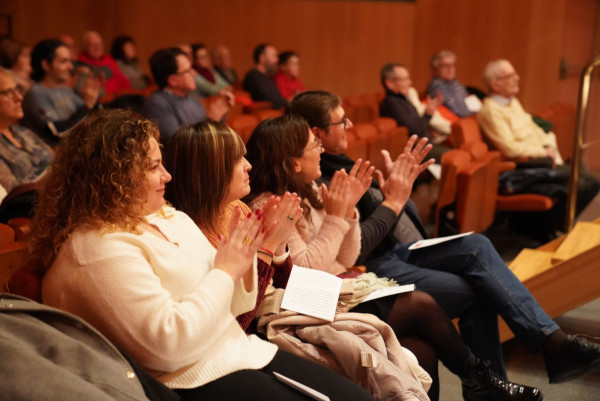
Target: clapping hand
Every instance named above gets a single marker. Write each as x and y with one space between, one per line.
280 213
359 179
235 255
336 196
402 173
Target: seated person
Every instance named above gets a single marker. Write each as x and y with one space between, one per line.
23 155
173 105
93 56
51 107
466 276
444 82
398 104
221 58
145 276
259 82
512 131
124 53
286 78
208 81
210 175
16 57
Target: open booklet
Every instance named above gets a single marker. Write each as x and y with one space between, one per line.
424 243
315 293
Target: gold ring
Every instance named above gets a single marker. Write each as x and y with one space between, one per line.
290 218
247 241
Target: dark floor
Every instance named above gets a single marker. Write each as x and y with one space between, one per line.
529 369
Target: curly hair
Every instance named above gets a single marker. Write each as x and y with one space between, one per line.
271 149
201 159
97 180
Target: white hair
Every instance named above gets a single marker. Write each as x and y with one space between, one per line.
492 71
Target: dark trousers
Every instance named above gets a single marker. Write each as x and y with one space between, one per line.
262 385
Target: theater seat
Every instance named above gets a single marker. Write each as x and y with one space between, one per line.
467 136
243 125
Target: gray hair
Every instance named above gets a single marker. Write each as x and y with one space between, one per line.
491 71
439 55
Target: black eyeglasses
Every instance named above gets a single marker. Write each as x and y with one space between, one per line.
343 121
317 144
11 92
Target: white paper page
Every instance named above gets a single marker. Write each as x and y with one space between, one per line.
435 170
387 291
434 241
301 387
312 292
473 103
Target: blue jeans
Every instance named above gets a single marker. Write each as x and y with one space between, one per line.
470 281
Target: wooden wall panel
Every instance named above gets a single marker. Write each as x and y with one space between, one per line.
528 33
342 44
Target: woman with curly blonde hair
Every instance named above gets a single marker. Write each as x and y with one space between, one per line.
145 276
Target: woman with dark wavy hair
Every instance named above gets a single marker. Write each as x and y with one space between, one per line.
145 276
285 156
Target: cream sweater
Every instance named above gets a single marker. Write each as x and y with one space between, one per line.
512 131
323 242
162 302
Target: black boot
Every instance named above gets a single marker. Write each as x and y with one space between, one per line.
578 356
485 385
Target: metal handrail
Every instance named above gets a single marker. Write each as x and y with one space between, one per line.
578 145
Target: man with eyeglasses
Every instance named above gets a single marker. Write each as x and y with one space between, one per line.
466 276
401 102
444 82
514 133
173 105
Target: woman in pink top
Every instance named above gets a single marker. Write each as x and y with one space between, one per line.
286 78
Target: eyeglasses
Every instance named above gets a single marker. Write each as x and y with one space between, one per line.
11 92
317 144
343 121
507 76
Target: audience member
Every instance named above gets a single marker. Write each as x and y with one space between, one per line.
258 81
124 53
50 106
421 119
285 154
23 155
444 82
16 57
172 105
513 132
146 277
466 276
93 56
286 78
223 63
208 81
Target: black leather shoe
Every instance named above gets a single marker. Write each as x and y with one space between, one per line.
485 385
577 357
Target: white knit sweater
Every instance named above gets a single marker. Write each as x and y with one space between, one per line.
162 302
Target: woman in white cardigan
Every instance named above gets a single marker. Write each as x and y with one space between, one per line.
147 278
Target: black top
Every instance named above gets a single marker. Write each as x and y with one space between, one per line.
376 221
261 87
398 107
